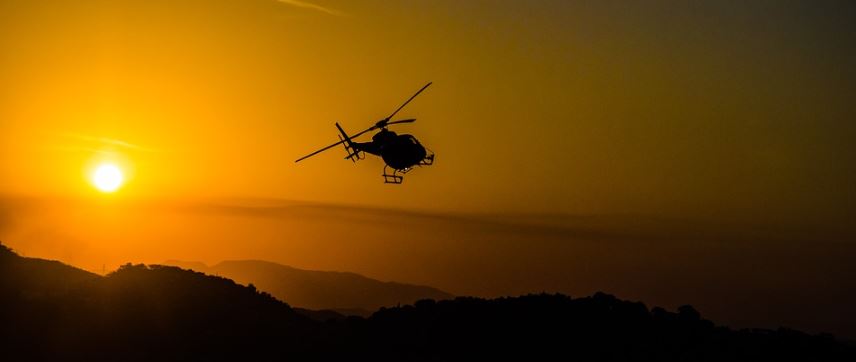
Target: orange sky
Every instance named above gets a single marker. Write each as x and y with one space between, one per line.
710 109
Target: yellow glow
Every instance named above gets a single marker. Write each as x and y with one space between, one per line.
107 177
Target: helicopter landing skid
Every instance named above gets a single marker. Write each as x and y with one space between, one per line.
393 178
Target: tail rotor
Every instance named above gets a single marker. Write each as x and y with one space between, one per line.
354 153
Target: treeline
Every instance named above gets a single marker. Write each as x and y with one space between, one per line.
50 311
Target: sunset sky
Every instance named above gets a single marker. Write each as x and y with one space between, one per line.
721 112
708 108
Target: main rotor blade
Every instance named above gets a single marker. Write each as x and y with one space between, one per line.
372 128
319 151
402 121
408 101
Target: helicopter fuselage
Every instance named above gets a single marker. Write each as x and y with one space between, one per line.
400 152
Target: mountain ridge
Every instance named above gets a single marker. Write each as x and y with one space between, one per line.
165 313
318 290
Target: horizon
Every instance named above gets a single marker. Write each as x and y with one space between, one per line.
719 268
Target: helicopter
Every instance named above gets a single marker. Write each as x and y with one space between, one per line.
400 152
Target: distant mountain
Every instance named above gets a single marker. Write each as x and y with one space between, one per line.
346 293
728 270
50 311
321 315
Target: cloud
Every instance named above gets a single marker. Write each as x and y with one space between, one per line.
307 5
103 141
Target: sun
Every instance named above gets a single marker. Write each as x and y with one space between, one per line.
107 177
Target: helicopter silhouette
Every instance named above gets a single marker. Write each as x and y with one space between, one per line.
400 152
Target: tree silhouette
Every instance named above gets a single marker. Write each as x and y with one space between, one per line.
50 311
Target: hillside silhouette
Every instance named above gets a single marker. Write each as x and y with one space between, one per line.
346 293
731 272
50 311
